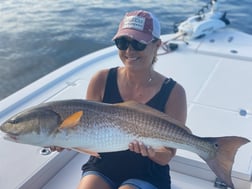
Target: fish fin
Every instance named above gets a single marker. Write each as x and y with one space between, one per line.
92 153
222 162
149 110
72 120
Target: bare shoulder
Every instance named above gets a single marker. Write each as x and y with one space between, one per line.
96 85
176 105
178 92
100 75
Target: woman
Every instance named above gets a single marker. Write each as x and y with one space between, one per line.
137 40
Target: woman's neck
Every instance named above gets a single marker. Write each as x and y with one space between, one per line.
138 79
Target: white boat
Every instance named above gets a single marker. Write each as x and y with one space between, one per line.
214 64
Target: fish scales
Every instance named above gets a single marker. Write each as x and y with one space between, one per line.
144 127
133 123
136 123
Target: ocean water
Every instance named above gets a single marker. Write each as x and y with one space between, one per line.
37 37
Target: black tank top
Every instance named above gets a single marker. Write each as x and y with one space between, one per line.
123 165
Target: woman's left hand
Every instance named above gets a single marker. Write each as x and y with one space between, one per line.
161 155
141 148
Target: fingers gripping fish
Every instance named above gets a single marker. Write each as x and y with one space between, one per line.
94 127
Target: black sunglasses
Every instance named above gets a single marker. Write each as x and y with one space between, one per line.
123 43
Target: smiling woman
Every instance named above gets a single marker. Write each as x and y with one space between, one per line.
137 39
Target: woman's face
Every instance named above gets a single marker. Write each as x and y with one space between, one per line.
139 59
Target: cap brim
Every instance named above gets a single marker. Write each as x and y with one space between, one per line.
137 35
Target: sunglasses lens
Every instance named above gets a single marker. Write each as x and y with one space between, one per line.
123 43
138 46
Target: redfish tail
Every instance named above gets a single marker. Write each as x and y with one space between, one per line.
221 164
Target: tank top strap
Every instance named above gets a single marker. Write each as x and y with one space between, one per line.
159 100
111 93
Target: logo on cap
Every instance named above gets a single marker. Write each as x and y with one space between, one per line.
134 22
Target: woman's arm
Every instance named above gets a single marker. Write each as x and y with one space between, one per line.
96 87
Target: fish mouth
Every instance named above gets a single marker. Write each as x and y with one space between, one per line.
10 137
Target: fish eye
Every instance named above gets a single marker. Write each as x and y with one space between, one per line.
13 121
